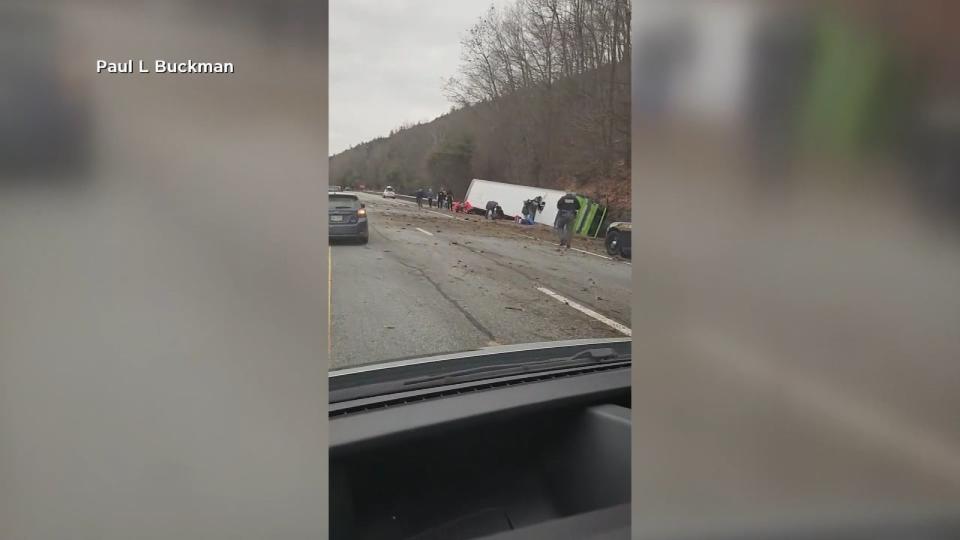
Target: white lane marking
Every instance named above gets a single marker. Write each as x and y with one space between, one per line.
884 427
575 249
592 253
441 214
424 232
587 311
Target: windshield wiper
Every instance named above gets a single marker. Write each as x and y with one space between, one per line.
588 357
583 358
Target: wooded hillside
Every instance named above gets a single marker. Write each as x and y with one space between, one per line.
542 97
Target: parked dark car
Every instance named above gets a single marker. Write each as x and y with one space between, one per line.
618 239
348 218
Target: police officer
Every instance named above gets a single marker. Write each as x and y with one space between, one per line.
567 208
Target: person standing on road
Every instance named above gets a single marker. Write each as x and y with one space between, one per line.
441 199
537 206
531 207
567 208
420 198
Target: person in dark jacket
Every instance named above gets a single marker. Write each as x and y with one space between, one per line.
492 209
567 208
536 205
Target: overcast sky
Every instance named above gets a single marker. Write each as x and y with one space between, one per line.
388 60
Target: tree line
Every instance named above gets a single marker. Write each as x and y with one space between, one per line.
541 97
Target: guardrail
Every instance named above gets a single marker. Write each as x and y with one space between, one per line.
399 196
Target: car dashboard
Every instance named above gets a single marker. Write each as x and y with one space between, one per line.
543 455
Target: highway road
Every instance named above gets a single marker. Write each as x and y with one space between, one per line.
431 281
161 346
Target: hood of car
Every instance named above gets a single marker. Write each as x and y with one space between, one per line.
620 225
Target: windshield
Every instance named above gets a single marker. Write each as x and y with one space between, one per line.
431 272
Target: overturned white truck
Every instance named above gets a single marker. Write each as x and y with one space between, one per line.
589 222
511 197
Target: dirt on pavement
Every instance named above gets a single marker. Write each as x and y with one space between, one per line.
434 220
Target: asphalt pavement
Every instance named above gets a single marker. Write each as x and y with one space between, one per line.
430 282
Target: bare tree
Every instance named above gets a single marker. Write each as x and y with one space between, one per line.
542 93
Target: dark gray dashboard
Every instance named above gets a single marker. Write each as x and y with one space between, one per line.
542 456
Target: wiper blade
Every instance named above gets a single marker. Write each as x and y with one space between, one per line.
583 358
596 356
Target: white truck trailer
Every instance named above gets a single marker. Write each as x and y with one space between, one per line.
511 197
